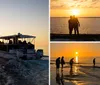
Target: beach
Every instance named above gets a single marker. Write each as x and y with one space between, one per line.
24 72
80 75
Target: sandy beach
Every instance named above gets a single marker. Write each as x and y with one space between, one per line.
80 75
24 72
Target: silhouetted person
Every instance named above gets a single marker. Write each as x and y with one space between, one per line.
24 42
10 41
76 25
94 62
70 22
62 61
58 63
71 62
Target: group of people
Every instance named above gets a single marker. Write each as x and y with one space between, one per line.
59 76
62 62
71 62
73 25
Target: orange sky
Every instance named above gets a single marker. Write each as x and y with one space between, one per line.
85 50
88 8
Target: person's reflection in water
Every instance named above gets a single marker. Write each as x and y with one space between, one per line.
58 78
62 78
71 72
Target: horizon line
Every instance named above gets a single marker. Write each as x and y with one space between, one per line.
78 17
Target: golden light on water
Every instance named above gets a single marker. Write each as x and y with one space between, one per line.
76 57
76 69
75 12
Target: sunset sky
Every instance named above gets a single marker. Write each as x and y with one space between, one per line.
85 50
26 17
87 8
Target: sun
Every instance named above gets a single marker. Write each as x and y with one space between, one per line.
75 12
76 52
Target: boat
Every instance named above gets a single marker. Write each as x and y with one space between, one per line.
19 46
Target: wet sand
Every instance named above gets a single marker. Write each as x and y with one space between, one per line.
79 75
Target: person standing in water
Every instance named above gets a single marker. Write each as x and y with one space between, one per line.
62 62
71 63
94 62
58 63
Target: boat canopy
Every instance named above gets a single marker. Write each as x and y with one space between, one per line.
17 36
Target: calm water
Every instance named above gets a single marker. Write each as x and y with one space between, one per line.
81 75
88 25
84 61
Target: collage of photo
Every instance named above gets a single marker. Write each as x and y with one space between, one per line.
74 42
49 42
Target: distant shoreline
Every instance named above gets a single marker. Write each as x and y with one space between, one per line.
78 17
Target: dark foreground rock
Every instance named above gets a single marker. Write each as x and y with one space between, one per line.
29 72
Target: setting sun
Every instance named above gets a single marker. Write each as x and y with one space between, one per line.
81 8
75 12
76 52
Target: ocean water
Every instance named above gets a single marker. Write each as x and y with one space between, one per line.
86 75
59 25
82 61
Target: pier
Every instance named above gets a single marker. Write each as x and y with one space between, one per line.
80 37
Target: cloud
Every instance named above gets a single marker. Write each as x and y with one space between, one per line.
67 4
